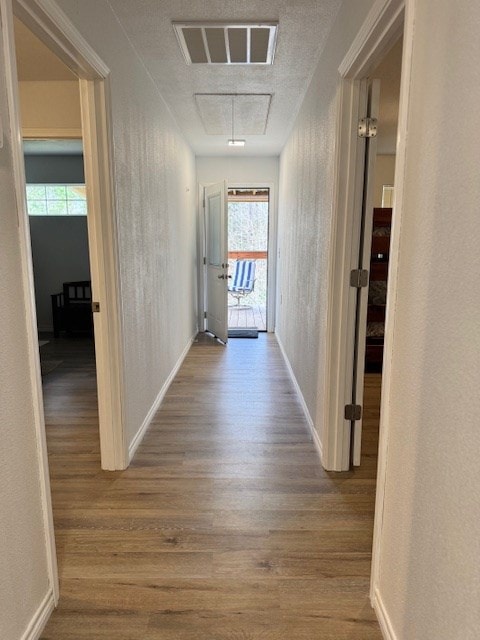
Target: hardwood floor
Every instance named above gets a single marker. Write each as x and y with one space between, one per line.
248 315
224 527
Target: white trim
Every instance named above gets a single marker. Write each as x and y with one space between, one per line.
272 249
345 234
104 268
272 244
395 256
201 254
28 286
40 618
55 30
47 21
384 621
315 437
158 400
381 29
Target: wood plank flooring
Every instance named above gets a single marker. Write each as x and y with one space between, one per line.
224 527
248 315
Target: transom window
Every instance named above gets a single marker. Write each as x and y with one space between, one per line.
56 200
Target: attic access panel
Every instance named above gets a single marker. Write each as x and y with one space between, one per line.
227 43
251 112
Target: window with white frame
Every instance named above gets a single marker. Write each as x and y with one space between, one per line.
56 200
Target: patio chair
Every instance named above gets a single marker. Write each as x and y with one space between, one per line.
243 279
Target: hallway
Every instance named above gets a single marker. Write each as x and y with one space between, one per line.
224 527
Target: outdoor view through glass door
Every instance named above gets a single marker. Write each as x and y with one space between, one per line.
247 258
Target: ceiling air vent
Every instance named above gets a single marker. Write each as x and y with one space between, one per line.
222 43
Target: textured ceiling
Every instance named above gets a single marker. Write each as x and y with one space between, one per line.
303 28
235 116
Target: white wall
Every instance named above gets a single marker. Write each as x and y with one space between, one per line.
305 214
50 108
238 170
155 194
384 174
429 579
156 199
24 580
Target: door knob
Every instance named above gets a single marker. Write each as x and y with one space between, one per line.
222 277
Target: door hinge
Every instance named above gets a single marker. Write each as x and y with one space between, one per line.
95 307
204 203
204 261
368 128
204 314
358 278
353 412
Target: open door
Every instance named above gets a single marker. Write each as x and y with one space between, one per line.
216 260
360 275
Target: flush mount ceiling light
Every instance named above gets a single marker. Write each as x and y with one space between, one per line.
227 43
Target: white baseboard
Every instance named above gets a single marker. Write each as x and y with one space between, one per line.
316 440
158 401
40 618
383 617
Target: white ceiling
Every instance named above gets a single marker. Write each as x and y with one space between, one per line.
303 28
35 61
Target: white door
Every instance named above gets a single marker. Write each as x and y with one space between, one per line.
216 260
363 264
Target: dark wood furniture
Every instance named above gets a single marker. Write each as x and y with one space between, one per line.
377 294
72 308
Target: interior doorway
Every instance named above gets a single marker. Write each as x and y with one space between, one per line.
248 235
56 42
362 130
56 202
374 252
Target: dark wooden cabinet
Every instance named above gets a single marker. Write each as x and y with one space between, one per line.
377 294
72 308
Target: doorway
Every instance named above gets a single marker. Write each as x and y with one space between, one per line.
58 40
361 229
248 233
350 263
56 203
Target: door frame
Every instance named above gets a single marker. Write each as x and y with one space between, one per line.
55 30
272 249
383 25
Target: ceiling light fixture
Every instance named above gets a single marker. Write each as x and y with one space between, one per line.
233 142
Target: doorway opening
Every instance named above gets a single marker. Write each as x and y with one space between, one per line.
68 116
373 106
248 233
56 203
